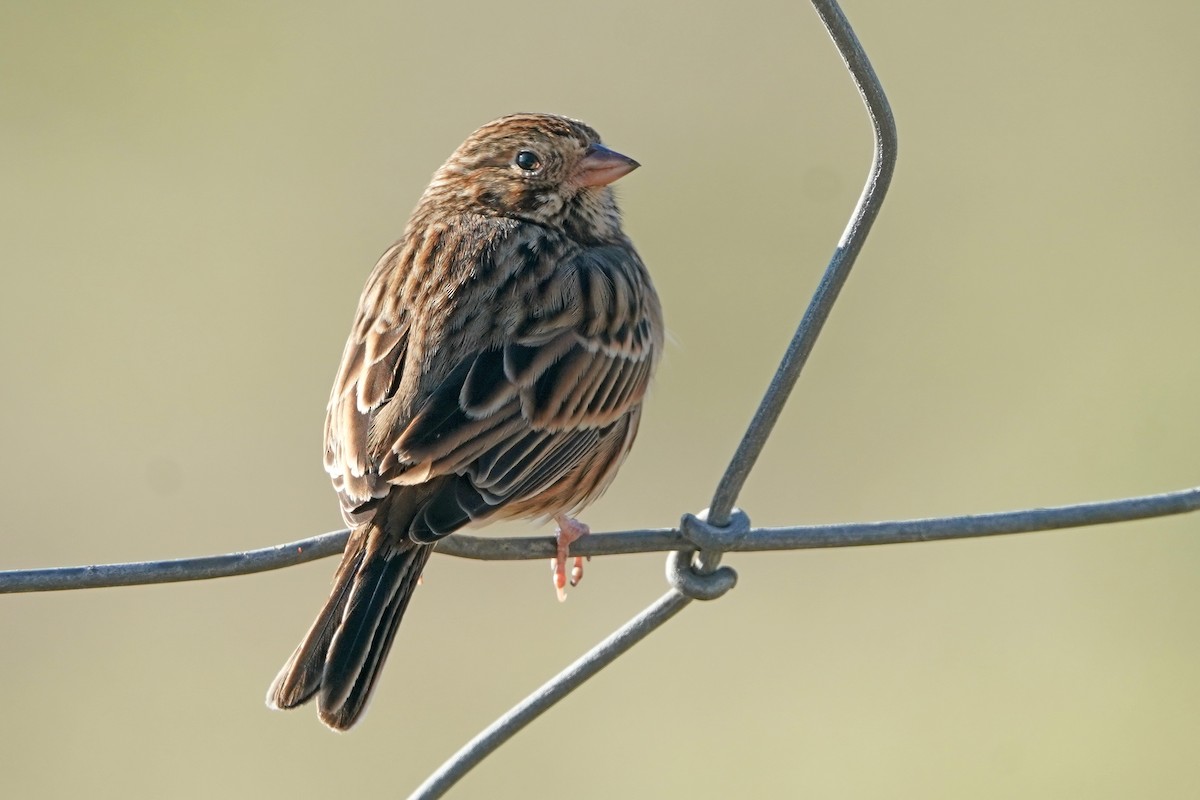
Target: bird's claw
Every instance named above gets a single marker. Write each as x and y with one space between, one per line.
569 530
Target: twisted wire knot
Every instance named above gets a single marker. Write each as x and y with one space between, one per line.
697 574
687 579
717 538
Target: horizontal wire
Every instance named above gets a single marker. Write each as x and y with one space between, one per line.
796 537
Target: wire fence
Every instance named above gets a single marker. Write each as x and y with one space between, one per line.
695 547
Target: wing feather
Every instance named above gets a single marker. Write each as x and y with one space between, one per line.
516 417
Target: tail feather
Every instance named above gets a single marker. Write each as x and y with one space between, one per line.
354 689
301 676
382 588
340 657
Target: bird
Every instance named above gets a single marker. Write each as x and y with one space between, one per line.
496 369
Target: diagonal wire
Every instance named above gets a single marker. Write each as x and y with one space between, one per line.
883 164
533 706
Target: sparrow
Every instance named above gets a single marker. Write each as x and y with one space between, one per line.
495 369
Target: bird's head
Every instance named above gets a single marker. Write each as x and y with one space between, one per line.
538 168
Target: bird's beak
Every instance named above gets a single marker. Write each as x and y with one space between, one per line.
601 166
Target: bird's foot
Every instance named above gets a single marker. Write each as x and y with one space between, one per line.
569 530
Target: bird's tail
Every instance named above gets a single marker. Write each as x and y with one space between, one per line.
340 657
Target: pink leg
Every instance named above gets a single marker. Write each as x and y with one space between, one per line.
569 530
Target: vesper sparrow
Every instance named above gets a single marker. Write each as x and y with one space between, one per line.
496 369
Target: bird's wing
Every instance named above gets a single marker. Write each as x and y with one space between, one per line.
371 369
514 419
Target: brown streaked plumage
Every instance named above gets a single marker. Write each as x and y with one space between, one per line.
496 369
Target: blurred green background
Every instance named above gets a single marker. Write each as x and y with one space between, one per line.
193 195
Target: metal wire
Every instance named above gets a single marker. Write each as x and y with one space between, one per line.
558 687
796 537
883 164
137 573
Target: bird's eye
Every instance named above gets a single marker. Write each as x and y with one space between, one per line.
528 160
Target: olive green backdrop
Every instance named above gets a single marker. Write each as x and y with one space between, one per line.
192 196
